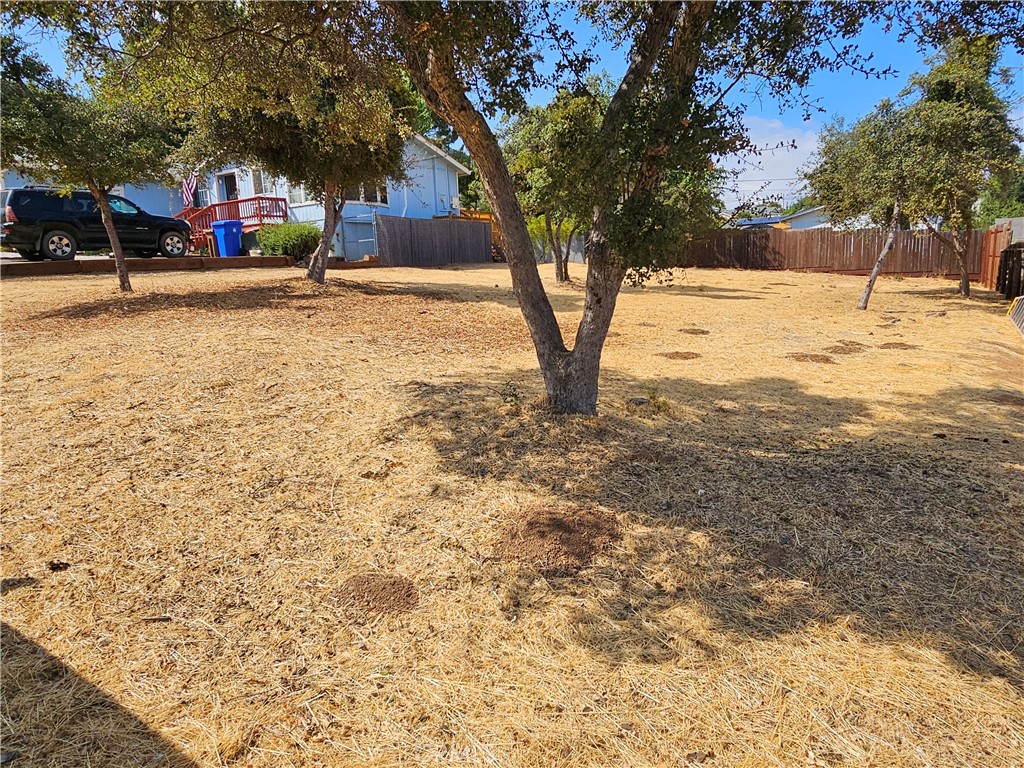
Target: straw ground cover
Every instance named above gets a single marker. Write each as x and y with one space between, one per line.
249 522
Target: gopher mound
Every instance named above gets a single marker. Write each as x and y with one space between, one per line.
558 542
847 348
805 357
897 345
377 593
679 355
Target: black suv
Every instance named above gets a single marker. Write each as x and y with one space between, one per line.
40 224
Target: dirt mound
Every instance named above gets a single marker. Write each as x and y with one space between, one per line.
847 348
679 355
694 331
804 357
897 345
377 593
558 542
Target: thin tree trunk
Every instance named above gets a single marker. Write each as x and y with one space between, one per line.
960 249
553 247
894 225
317 269
568 250
562 271
103 201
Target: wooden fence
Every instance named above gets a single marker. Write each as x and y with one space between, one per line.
823 250
997 239
432 242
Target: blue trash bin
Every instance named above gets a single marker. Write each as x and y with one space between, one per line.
228 234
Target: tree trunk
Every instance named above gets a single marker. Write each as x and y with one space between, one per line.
894 226
317 269
960 249
563 270
568 251
553 247
103 201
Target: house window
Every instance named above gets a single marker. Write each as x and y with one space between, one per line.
365 193
297 194
262 183
202 196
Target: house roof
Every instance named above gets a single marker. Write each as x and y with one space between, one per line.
459 167
762 221
804 212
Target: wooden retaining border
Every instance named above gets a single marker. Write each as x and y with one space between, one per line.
106 266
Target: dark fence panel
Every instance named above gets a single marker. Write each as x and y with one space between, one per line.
825 250
432 242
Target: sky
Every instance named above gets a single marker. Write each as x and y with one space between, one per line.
775 173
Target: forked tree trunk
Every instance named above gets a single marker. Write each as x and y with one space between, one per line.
317 269
570 377
894 225
103 201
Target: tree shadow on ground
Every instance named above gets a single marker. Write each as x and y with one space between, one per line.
704 291
295 294
52 716
768 509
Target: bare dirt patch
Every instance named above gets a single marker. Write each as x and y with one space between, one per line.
695 331
371 594
810 357
679 355
557 542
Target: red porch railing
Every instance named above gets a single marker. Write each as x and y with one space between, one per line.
253 212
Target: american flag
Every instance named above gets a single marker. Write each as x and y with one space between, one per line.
188 188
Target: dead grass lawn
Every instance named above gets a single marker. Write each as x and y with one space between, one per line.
249 522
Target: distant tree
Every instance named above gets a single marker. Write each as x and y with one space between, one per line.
961 136
1003 198
548 153
336 139
802 203
98 142
864 171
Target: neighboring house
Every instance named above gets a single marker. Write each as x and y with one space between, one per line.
153 198
809 218
431 189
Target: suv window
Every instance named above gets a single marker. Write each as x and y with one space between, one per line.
79 202
120 205
35 203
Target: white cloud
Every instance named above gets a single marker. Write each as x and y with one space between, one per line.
774 173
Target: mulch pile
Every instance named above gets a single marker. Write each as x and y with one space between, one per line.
558 542
377 593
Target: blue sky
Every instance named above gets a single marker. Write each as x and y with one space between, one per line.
774 174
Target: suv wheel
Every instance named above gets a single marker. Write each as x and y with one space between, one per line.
59 245
173 244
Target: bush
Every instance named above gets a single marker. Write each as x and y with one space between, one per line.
291 239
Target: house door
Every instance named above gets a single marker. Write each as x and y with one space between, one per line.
227 187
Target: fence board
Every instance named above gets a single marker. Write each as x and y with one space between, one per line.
824 250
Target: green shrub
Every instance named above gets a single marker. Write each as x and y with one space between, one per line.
291 239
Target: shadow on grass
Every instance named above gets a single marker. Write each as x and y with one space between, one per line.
768 509
53 716
295 294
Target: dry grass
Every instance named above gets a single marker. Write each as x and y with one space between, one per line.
818 564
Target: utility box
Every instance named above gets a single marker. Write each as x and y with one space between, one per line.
227 235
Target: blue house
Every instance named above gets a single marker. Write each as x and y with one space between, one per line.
431 189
